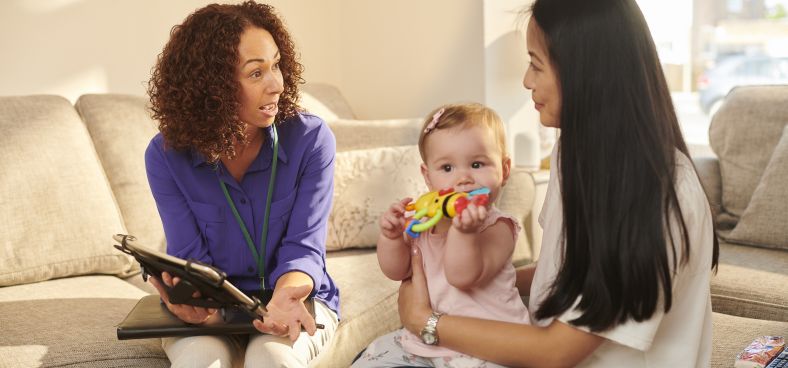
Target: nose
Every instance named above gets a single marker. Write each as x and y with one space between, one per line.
464 178
274 83
528 80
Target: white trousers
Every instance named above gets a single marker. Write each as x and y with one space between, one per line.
252 350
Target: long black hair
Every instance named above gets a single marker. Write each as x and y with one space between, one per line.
617 158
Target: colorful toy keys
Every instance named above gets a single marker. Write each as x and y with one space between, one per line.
437 204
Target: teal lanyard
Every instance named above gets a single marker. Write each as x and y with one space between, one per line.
259 257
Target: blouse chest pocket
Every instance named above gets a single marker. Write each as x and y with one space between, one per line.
211 223
206 213
281 208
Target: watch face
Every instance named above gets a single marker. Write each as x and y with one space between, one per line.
428 338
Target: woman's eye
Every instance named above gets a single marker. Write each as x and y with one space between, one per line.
477 165
534 67
276 66
256 74
446 168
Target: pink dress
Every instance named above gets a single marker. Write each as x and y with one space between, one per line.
498 300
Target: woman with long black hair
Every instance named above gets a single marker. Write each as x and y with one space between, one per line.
629 246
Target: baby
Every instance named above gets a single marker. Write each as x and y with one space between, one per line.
467 259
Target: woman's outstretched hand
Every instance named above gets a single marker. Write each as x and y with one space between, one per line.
414 299
287 313
186 313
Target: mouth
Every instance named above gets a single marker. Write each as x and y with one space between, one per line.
270 109
465 188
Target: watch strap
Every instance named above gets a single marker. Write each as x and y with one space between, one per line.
431 329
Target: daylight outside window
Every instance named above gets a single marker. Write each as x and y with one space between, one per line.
707 47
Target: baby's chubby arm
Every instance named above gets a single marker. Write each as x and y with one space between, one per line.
393 251
471 258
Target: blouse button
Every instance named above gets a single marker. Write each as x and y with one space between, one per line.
250 269
243 200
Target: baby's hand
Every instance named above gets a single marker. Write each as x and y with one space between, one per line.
471 218
392 222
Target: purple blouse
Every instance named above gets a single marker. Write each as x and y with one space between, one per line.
199 224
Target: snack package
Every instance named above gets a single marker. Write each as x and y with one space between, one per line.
760 352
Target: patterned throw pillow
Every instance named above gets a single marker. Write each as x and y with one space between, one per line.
366 182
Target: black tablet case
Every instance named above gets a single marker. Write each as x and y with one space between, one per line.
150 318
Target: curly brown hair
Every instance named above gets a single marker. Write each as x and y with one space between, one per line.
193 87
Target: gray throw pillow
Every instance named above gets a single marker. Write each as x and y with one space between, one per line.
743 135
765 221
57 212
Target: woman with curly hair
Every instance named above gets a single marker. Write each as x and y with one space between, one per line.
243 181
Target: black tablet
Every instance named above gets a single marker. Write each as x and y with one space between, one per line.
211 282
146 320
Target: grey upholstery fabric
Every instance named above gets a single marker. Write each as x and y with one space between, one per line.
368 305
751 282
765 221
365 134
57 211
743 134
732 334
121 128
517 199
71 323
317 97
708 169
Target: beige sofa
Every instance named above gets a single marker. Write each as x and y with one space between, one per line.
746 183
73 175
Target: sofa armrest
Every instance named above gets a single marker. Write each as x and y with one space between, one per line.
137 281
326 101
517 199
354 134
708 168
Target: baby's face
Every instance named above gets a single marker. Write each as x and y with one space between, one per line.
464 159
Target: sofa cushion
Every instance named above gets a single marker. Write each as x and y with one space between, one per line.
750 282
58 213
517 199
732 334
325 101
366 134
366 182
765 221
743 134
71 322
708 169
368 303
121 129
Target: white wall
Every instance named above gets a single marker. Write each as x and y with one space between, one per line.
391 59
404 58
73 47
399 62
505 62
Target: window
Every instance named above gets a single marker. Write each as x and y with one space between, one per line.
707 47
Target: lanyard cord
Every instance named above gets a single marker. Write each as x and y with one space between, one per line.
259 257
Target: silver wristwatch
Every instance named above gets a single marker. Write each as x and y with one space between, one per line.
429 334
